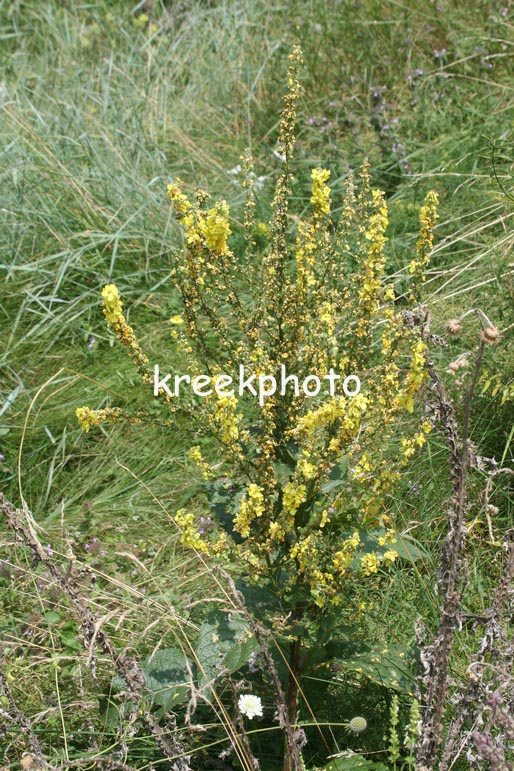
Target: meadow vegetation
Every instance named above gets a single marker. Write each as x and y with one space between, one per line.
377 530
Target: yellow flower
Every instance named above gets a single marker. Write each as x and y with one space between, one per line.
227 418
195 454
189 535
369 564
113 309
415 376
320 198
388 538
390 556
87 418
217 228
428 218
177 320
275 532
307 470
113 312
181 204
293 496
252 506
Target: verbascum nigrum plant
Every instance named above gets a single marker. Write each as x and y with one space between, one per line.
315 441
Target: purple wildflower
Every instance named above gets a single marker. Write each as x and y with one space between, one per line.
95 547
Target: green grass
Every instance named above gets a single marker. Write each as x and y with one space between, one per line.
99 110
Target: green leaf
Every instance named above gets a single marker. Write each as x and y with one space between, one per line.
409 549
239 654
337 476
261 600
406 546
386 664
222 497
225 642
69 641
166 676
109 713
52 617
353 763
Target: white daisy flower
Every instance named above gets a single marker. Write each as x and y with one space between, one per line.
250 705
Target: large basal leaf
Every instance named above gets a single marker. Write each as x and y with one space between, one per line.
166 676
225 643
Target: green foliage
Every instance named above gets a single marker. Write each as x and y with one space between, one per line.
167 677
224 644
387 664
98 109
353 763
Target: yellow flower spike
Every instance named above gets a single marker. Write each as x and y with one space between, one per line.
415 376
181 203
371 280
195 454
252 506
217 228
113 309
113 312
287 123
227 419
427 217
87 418
292 497
189 535
320 198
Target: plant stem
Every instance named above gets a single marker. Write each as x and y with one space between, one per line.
290 763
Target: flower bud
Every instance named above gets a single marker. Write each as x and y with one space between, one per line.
357 725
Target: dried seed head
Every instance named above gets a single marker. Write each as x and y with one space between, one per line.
453 366
492 509
490 335
453 326
471 675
